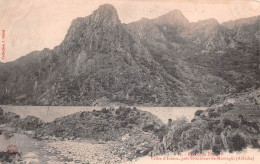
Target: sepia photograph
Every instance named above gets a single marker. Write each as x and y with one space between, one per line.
129 81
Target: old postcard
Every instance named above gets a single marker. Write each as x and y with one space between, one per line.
129 81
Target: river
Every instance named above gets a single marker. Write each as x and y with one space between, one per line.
49 113
31 149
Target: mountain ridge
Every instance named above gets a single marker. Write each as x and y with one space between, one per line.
166 61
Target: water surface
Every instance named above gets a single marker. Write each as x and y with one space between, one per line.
49 113
31 150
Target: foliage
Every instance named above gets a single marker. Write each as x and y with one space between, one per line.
216 149
218 130
226 121
181 121
238 143
192 120
255 143
148 127
213 114
198 112
106 124
104 110
213 131
161 132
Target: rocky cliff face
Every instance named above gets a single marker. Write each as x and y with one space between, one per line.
166 61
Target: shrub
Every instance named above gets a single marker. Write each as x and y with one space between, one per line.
212 125
216 150
161 132
216 122
193 120
117 111
198 112
213 114
218 131
226 108
123 111
126 111
255 143
104 110
96 113
226 122
130 126
194 151
210 110
192 136
131 120
206 143
230 105
181 121
124 124
82 114
112 109
149 127
117 126
238 142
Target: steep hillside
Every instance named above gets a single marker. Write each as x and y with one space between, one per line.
231 125
166 61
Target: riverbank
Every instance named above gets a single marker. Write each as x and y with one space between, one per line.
29 150
91 151
83 151
104 153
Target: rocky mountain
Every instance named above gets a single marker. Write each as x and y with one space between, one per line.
166 61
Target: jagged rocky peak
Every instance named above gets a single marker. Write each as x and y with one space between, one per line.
94 32
174 17
106 14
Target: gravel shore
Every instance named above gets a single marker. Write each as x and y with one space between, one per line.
84 151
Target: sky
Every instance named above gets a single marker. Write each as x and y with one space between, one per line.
31 25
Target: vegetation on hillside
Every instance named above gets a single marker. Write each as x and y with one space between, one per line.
214 129
106 124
